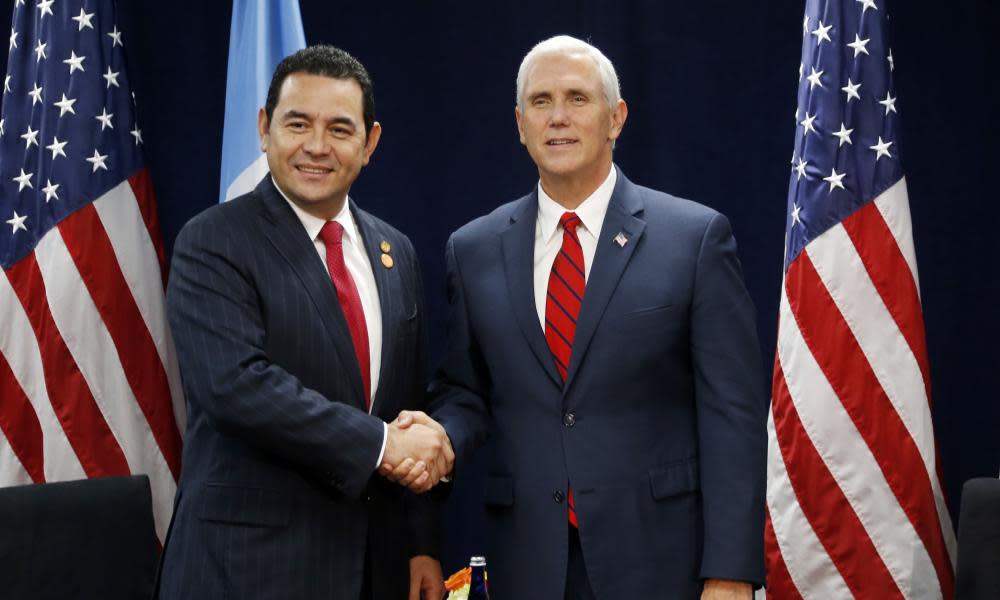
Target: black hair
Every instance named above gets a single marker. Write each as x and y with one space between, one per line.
327 61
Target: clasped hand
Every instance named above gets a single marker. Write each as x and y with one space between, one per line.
418 452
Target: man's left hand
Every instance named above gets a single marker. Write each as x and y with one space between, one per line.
723 589
426 578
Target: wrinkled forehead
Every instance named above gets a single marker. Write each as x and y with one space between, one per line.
565 65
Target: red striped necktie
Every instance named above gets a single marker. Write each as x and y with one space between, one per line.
567 283
350 301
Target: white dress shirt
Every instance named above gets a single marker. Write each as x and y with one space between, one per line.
360 268
548 234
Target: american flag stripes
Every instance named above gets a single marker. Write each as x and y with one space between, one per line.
89 385
855 505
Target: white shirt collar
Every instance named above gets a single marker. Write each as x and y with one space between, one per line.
591 211
314 224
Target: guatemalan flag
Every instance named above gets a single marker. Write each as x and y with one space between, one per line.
262 33
855 503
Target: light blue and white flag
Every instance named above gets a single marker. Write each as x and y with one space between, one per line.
262 33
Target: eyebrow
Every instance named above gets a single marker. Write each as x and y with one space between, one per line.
339 120
548 95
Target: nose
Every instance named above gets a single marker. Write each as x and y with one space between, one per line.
559 116
316 143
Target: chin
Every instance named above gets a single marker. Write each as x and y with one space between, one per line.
561 170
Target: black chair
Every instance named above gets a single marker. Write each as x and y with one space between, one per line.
978 575
78 539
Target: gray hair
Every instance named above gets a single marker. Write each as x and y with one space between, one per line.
564 44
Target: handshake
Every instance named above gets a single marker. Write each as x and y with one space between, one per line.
418 452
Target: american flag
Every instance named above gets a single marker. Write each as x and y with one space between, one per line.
89 385
854 499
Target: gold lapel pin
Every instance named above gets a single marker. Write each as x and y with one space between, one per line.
387 261
385 247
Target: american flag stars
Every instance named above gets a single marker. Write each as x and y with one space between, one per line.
889 103
822 33
846 118
844 135
75 62
30 137
851 89
105 119
858 45
50 190
23 180
84 19
97 160
45 6
116 37
881 149
814 78
56 147
66 82
111 77
36 95
866 5
17 222
836 179
807 124
65 105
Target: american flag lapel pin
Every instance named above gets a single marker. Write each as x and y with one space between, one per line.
620 239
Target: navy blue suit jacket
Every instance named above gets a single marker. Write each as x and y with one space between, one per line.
278 495
660 426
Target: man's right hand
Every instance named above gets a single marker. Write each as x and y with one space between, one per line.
418 452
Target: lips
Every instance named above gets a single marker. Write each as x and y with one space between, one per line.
313 170
560 142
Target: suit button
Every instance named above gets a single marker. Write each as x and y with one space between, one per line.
569 419
558 496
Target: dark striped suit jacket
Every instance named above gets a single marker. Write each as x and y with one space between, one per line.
278 496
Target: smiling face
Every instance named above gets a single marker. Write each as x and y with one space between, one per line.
315 141
566 123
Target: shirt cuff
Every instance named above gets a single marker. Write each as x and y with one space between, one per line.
385 439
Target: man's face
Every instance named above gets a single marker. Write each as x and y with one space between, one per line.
566 123
316 142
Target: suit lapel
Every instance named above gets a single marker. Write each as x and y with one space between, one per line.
518 242
388 298
285 232
610 261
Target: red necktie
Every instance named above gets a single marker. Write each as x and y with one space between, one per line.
350 301
567 283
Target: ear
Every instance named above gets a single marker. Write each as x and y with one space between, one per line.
520 125
618 116
262 129
373 137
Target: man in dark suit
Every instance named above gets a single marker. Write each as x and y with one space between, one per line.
602 339
298 319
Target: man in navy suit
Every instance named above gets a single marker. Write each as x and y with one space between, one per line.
299 324
601 338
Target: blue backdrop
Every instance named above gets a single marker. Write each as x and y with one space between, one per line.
711 90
